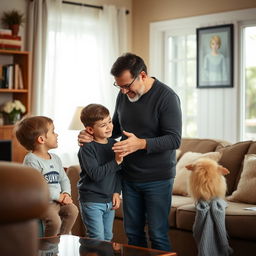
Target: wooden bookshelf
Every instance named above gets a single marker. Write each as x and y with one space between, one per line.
14 90
22 58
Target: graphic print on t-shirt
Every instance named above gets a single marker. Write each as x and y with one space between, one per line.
52 177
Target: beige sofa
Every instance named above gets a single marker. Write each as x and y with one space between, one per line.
240 223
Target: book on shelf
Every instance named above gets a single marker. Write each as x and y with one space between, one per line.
20 79
4 75
11 77
10 37
9 42
6 71
9 47
16 77
5 31
2 82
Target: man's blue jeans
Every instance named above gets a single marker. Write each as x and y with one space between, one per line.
147 202
98 219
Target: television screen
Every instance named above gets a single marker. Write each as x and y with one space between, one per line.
5 150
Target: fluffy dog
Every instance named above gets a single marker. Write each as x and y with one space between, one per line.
206 180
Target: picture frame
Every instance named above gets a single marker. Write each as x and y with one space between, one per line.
215 56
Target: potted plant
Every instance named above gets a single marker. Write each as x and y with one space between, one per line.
13 20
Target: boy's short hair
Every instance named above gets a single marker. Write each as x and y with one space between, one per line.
30 128
93 113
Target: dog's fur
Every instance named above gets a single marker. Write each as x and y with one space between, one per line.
206 180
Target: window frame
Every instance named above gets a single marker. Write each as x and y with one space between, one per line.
181 91
230 125
242 27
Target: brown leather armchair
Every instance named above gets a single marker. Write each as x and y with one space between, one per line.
23 198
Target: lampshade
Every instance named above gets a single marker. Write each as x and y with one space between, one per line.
76 123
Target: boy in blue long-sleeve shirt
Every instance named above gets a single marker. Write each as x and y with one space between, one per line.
99 185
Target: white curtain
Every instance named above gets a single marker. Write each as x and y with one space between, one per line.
81 45
36 44
113 42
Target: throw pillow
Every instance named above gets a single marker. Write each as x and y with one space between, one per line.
232 158
180 185
246 188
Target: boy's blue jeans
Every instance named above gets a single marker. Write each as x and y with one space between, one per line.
147 202
98 219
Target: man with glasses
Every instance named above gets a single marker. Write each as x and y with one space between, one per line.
148 118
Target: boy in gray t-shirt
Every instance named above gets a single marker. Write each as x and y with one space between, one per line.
37 135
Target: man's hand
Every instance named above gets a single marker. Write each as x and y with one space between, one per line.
116 201
84 137
129 145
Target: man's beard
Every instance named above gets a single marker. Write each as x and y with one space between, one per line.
137 95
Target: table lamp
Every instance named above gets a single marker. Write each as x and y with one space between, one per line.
76 123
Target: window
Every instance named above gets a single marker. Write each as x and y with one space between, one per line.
180 74
80 51
249 82
207 113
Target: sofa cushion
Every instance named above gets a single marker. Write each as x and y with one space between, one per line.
240 223
185 216
246 189
252 148
177 201
180 186
232 159
201 145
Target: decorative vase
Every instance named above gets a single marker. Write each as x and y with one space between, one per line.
12 118
15 29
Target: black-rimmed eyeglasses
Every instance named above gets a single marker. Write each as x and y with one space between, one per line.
126 87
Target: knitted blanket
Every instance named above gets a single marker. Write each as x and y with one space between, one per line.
209 228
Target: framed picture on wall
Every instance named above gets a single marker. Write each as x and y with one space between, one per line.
215 56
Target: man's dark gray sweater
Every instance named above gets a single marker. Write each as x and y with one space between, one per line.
156 117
